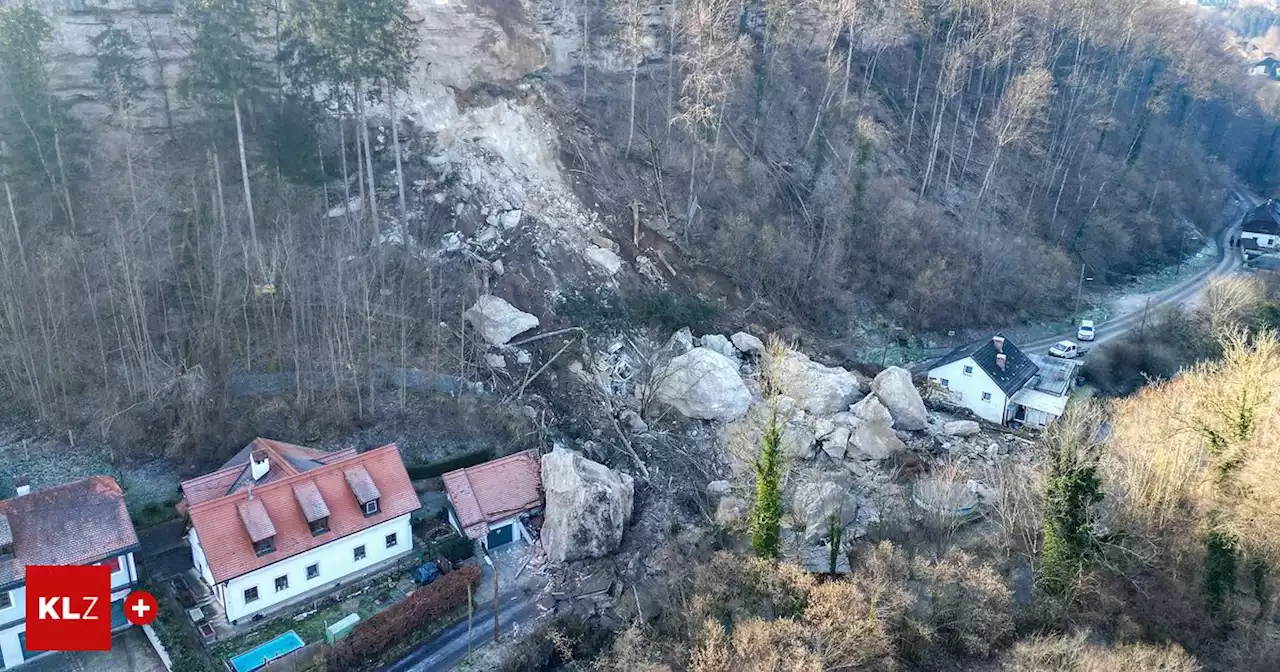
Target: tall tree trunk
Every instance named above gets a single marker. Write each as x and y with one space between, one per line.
244 178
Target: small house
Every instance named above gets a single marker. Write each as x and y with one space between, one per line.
281 524
80 523
491 502
1262 226
1001 384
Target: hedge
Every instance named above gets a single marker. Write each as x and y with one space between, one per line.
434 469
398 623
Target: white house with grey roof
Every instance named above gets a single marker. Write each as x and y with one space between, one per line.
1001 384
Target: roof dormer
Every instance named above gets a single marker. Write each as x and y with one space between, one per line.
366 493
262 532
6 538
314 508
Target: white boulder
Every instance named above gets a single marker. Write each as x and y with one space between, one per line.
587 506
836 443
604 259
875 441
719 344
498 321
817 502
871 410
679 343
703 384
818 389
797 441
895 390
747 344
961 428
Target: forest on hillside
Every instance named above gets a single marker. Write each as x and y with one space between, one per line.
942 164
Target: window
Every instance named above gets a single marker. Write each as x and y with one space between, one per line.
370 507
319 527
251 595
313 571
986 396
946 383
359 552
282 583
265 546
113 563
391 540
6 600
968 370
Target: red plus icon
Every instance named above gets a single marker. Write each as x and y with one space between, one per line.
140 607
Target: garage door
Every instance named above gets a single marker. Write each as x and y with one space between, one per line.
499 536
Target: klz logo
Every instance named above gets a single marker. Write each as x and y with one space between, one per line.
68 608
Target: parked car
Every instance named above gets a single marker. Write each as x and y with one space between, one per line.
426 573
1067 350
1085 332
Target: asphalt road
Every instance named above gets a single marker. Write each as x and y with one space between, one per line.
450 646
1228 260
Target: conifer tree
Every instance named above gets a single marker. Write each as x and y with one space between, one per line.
766 512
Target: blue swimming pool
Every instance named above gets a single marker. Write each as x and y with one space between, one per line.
259 655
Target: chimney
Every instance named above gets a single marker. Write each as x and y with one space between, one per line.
999 342
1000 359
259 465
21 486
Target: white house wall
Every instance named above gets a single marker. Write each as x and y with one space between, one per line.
198 559
966 390
336 560
1265 240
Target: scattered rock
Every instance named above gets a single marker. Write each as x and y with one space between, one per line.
703 384
498 267
604 259
718 488
510 219
523 357
604 242
498 321
818 389
730 510
679 343
823 427
896 391
836 443
845 419
488 235
719 344
495 360
633 422
961 428
747 343
876 441
871 410
587 506
352 205
797 441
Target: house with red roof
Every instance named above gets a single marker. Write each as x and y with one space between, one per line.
490 502
279 523
80 523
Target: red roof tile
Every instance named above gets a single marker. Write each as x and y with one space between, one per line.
256 520
311 501
70 524
285 460
227 544
489 492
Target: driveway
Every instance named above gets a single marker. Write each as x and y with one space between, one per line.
130 652
450 646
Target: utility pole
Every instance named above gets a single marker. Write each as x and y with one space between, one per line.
1079 290
471 611
1143 327
495 601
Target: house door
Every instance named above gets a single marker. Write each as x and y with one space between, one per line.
499 536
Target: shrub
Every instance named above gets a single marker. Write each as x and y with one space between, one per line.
398 623
1056 653
432 470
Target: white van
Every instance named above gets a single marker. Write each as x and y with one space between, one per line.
1085 332
1065 350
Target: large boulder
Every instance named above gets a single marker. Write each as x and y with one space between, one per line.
797 441
719 344
748 344
742 438
815 502
703 384
895 390
871 410
837 442
961 428
498 321
818 389
875 441
587 506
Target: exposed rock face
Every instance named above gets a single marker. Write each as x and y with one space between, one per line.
871 410
703 384
719 344
748 344
498 321
961 428
894 388
818 389
875 441
587 506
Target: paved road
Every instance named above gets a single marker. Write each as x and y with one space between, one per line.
450 646
1228 259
